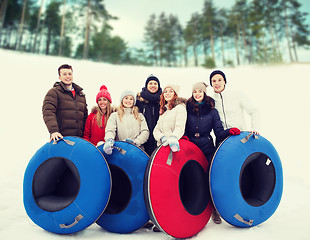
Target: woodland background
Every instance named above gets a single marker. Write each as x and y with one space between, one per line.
250 32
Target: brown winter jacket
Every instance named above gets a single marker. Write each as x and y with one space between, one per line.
63 113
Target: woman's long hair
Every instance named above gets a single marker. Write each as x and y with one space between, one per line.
195 105
163 103
105 113
134 111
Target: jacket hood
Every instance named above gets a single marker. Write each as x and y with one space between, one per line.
203 108
140 98
96 108
180 100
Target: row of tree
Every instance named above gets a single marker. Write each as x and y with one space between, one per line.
249 32
78 28
260 31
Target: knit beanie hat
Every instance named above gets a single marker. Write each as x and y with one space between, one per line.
217 72
200 85
103 92
126 93
150 78
175 88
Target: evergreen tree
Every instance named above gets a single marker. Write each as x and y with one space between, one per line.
52 23
295 28
192 35
209 21
95 13
151 39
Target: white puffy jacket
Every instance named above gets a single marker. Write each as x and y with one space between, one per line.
231 106
129 127
172 122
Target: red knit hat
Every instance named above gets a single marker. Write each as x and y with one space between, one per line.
103 92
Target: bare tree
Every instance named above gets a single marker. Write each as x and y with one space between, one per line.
287 32
87 30
38 26
62 28
3 8
21 27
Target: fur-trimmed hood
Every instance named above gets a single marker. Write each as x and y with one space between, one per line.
180 100
96 108
140 98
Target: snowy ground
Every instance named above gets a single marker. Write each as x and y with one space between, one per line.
280 92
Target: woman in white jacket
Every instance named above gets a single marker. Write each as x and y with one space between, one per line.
126 124
231 105
170 126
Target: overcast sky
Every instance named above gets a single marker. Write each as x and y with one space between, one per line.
134 14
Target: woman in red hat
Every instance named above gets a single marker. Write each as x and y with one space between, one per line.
97 119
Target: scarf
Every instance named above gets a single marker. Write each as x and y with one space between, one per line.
151 97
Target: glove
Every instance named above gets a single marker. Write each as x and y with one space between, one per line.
164 141
100 143
107 148
129 140
234 131
174 144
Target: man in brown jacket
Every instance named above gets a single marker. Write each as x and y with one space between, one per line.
64 107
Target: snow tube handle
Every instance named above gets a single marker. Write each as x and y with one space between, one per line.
169 159
65 140
122 151
240 219
76 221
247 137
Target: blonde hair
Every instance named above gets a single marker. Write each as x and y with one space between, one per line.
134 112
106 113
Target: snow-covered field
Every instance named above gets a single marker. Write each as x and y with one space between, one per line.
281 93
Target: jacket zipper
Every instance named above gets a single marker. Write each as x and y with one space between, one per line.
197 134
76 113
223 110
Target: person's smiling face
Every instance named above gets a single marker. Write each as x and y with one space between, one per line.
152 86
218 83
128 101
198 95
168 94
66 76
102 103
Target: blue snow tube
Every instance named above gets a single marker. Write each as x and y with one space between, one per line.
246 180
67 185
126 211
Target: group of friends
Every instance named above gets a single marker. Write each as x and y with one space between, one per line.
153 117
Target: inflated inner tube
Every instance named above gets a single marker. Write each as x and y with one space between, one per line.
126 211
56 184
257 182
193 182
246 180
176 190
121 191
67 185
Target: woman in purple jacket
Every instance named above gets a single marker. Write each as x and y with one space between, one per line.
202 118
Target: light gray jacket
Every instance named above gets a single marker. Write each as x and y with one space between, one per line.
129 127
172 122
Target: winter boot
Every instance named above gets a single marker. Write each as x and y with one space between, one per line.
216 217
155 229
149 225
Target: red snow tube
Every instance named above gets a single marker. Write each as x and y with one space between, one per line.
176 190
